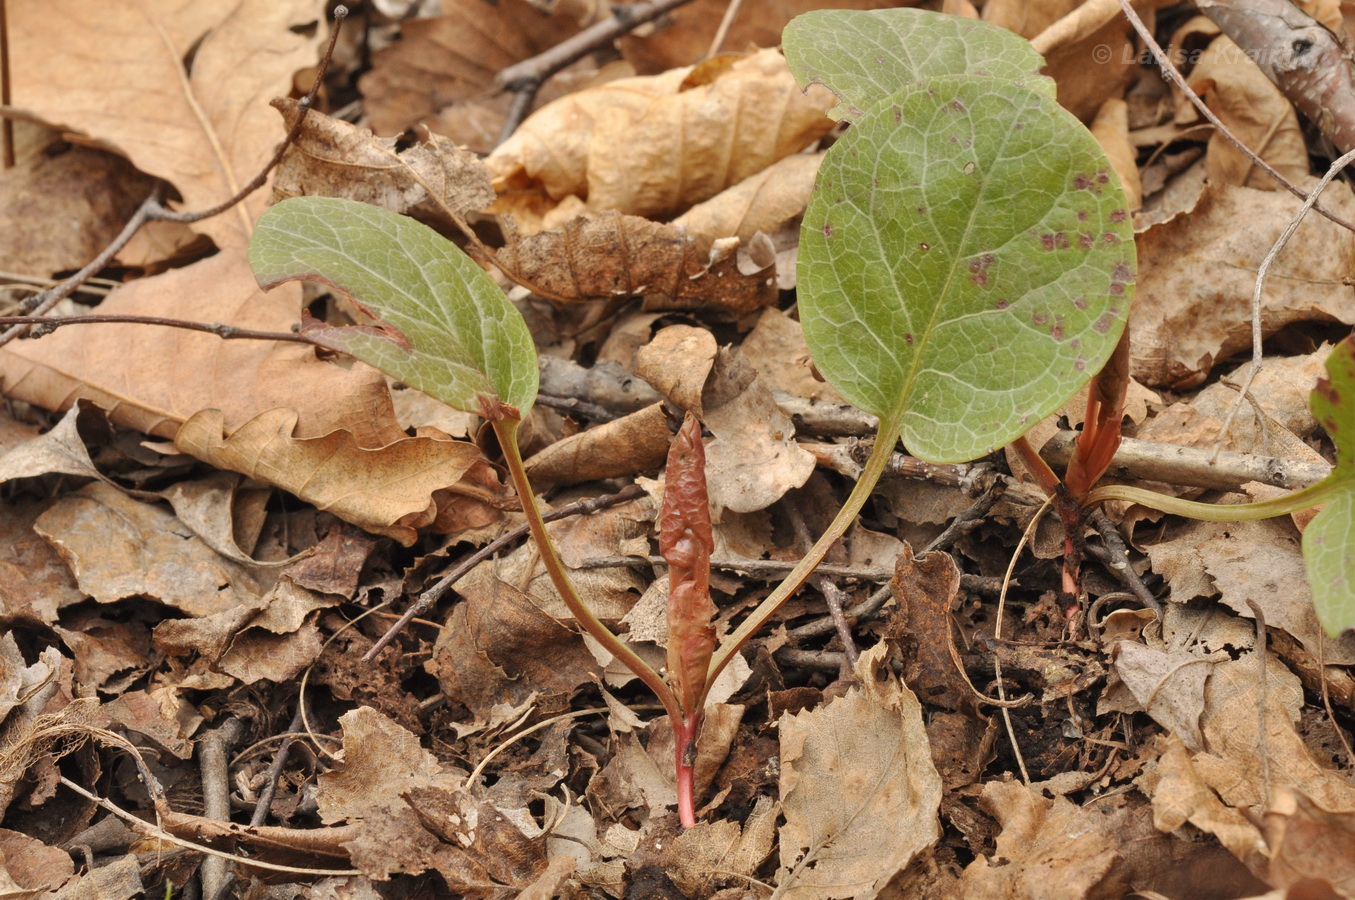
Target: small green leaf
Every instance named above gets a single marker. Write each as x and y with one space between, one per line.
1329 539
966 264
866 56
439 322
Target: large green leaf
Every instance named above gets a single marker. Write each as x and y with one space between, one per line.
966 263
866 56
1329 539
439 322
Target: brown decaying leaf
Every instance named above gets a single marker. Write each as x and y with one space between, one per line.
59 451
206 131
1197 273
1168 685
451 60
1111 130
762 202
29 865
61 210
924 588
331 158
654 146
609 255
393 490
1255 112
1306 840
625 446
712 854
847 767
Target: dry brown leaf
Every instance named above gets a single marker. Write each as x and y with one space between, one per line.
35 583
152 379
606 256
754 459
450 60
206 131
1307 842
1197 273
776 348
61 210
1169 686
1255 111
225 511
119 548
60 451
655 146
119 880
393 490
31 868
763 202
712 854
1111 130
331 158
924 588
846 768
626 446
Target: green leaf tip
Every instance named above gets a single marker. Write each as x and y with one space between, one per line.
966 263
865 56
438 322
1329 539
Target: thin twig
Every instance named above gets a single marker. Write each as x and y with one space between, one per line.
525 78
214 754
6 124
431 596
969 519
731 13
1261 272
832 596
1115 555
45 325
1174 74
274 773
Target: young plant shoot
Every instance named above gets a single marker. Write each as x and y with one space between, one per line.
966 264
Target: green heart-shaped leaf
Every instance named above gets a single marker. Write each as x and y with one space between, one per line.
966 264
1329 539
439 322
865 56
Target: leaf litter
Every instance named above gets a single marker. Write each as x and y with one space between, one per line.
153 591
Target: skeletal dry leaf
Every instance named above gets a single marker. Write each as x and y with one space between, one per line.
846 768
1197 272
332 158
607 256
396 489
205 129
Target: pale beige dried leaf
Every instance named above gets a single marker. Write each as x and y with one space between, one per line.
762 202
717 853
119 547
332 158
776 348
208 131
1255 111
208 507
119 880
1307 840
1197 273
847 768
1181 795
1169 686
548 154
152 379
677 362
606 256
60 450
392 490
727 124
450 59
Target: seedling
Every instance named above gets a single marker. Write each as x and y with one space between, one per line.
966 264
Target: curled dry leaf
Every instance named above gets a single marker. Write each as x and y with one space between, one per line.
847 767
205 129
413 483
655 146
602 257
625 446
441 71
763 202
331 158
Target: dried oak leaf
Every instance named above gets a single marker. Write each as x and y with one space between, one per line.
653 146
847 767
181 89
396 489
603 256
331 158
441 71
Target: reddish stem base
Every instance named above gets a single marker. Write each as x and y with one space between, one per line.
684 741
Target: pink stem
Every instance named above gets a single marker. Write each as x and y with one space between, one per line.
684 740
